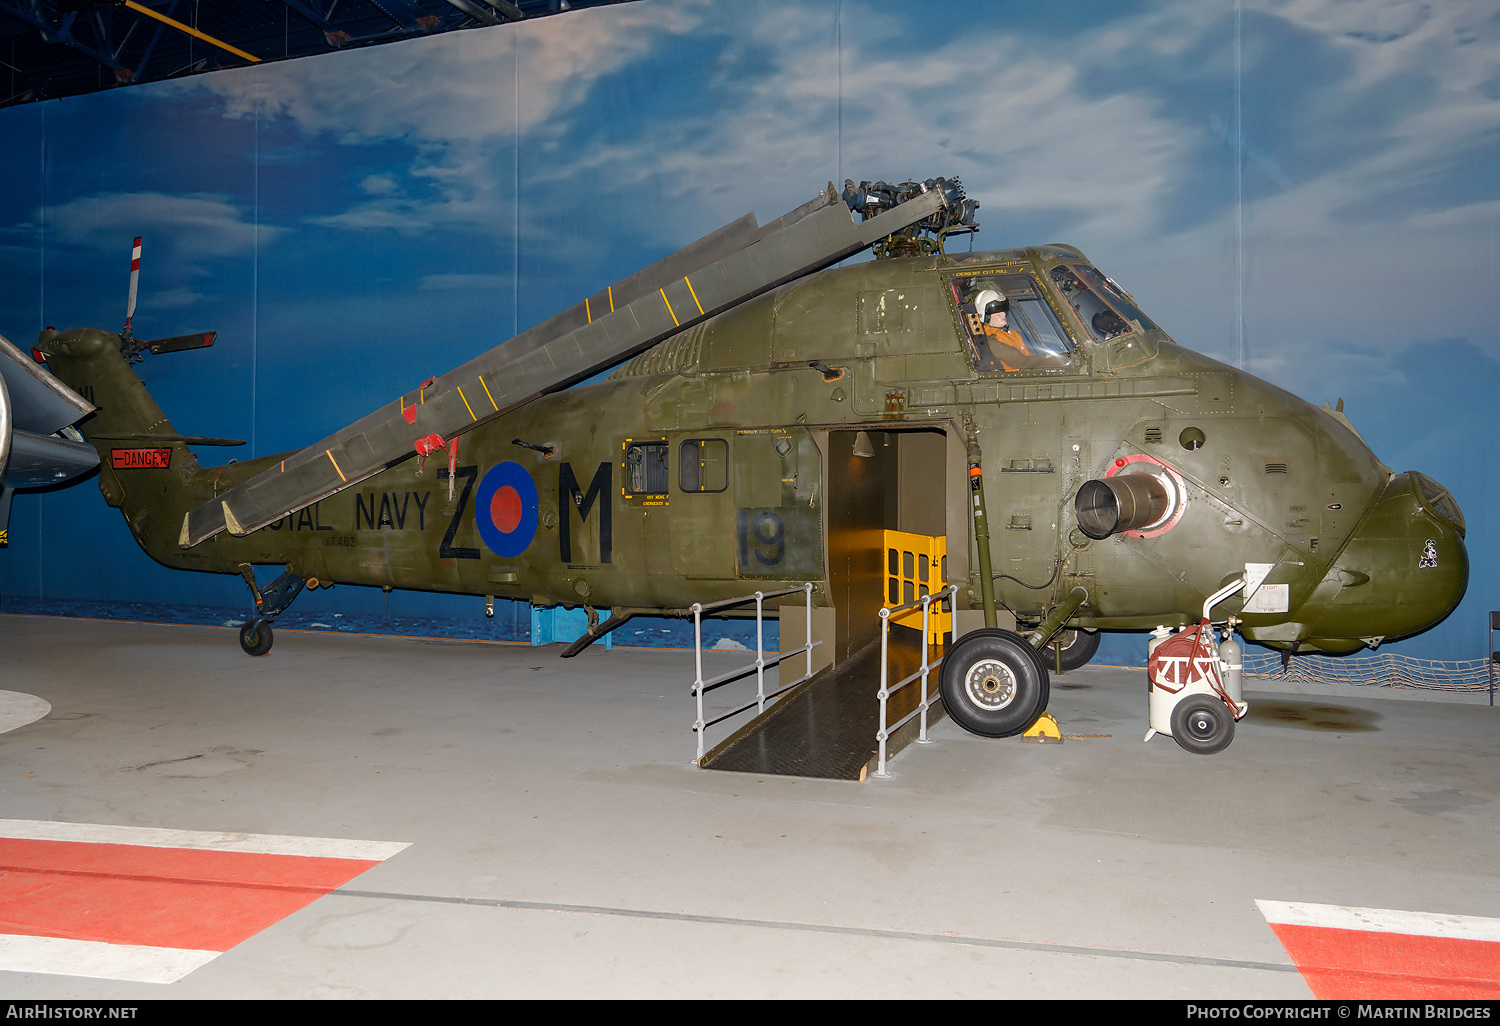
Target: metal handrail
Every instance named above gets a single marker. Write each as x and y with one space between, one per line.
884 733
702 687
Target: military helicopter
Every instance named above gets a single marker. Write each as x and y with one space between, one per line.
770 414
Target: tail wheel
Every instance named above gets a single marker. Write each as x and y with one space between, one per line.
1202 724
993 684
1078 647
256 638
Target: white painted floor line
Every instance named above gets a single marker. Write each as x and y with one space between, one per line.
156 837
58 956
1380 920
17 709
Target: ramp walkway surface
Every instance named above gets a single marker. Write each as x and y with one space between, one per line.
827 727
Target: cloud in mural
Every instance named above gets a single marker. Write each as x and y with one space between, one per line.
454 88
454 99
195 226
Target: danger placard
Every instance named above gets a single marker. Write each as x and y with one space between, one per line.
140 459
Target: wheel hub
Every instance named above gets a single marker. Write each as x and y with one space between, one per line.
1201 725
990 684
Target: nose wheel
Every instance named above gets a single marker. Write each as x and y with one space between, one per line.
993 683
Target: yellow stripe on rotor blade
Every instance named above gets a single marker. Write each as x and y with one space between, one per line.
488 396
664 299
587 312
466 401
329 454
694 293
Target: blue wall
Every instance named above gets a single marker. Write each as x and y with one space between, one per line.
1308 190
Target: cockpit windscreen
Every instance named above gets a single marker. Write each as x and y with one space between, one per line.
1099 302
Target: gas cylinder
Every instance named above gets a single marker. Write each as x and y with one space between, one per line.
1231 659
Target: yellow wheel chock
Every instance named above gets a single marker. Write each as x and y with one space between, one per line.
1044 731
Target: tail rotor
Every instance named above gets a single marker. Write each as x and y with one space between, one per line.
175 344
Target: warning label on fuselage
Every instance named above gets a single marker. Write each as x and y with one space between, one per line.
140 459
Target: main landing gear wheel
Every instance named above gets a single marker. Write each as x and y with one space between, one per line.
1078 647
1202 724
255 637
993 683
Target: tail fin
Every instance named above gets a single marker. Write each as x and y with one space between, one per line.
146 468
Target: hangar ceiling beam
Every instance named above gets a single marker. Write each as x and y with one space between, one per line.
312 15
189 30
32 15
140 65
408 15
473 10
127 37
508 11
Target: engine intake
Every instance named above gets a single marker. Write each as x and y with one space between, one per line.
1126 502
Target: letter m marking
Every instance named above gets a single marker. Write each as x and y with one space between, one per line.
569 495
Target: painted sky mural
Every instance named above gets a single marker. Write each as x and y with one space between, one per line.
1306 188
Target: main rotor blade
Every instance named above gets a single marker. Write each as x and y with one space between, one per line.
698 282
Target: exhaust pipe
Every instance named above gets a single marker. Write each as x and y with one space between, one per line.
1126 502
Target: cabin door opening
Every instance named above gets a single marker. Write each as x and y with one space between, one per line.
898 483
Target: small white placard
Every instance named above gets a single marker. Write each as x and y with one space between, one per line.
1255 573
1269 598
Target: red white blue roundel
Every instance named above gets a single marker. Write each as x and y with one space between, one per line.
505 509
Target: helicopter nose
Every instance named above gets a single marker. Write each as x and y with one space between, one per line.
1404 570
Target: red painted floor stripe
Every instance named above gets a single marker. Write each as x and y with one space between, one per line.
1353 964
162 897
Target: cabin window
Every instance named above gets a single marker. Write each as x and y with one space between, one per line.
703 465
646 468
1028 338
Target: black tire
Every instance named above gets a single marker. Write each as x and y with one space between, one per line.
256 637
993 683
1202 724
1078 647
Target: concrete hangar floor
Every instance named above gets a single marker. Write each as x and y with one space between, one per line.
365 817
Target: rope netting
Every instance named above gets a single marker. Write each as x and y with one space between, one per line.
1383 669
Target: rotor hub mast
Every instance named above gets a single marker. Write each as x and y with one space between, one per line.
924 237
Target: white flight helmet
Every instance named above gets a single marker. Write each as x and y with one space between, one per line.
987 302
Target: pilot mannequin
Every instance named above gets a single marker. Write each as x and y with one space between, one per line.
993 309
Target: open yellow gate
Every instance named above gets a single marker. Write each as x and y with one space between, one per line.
916 565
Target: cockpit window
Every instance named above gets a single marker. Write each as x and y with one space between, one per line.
1099 302
1016 330
1117 296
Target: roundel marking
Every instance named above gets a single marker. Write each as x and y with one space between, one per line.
505 510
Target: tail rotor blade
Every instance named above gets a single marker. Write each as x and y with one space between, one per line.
177 344
135 278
